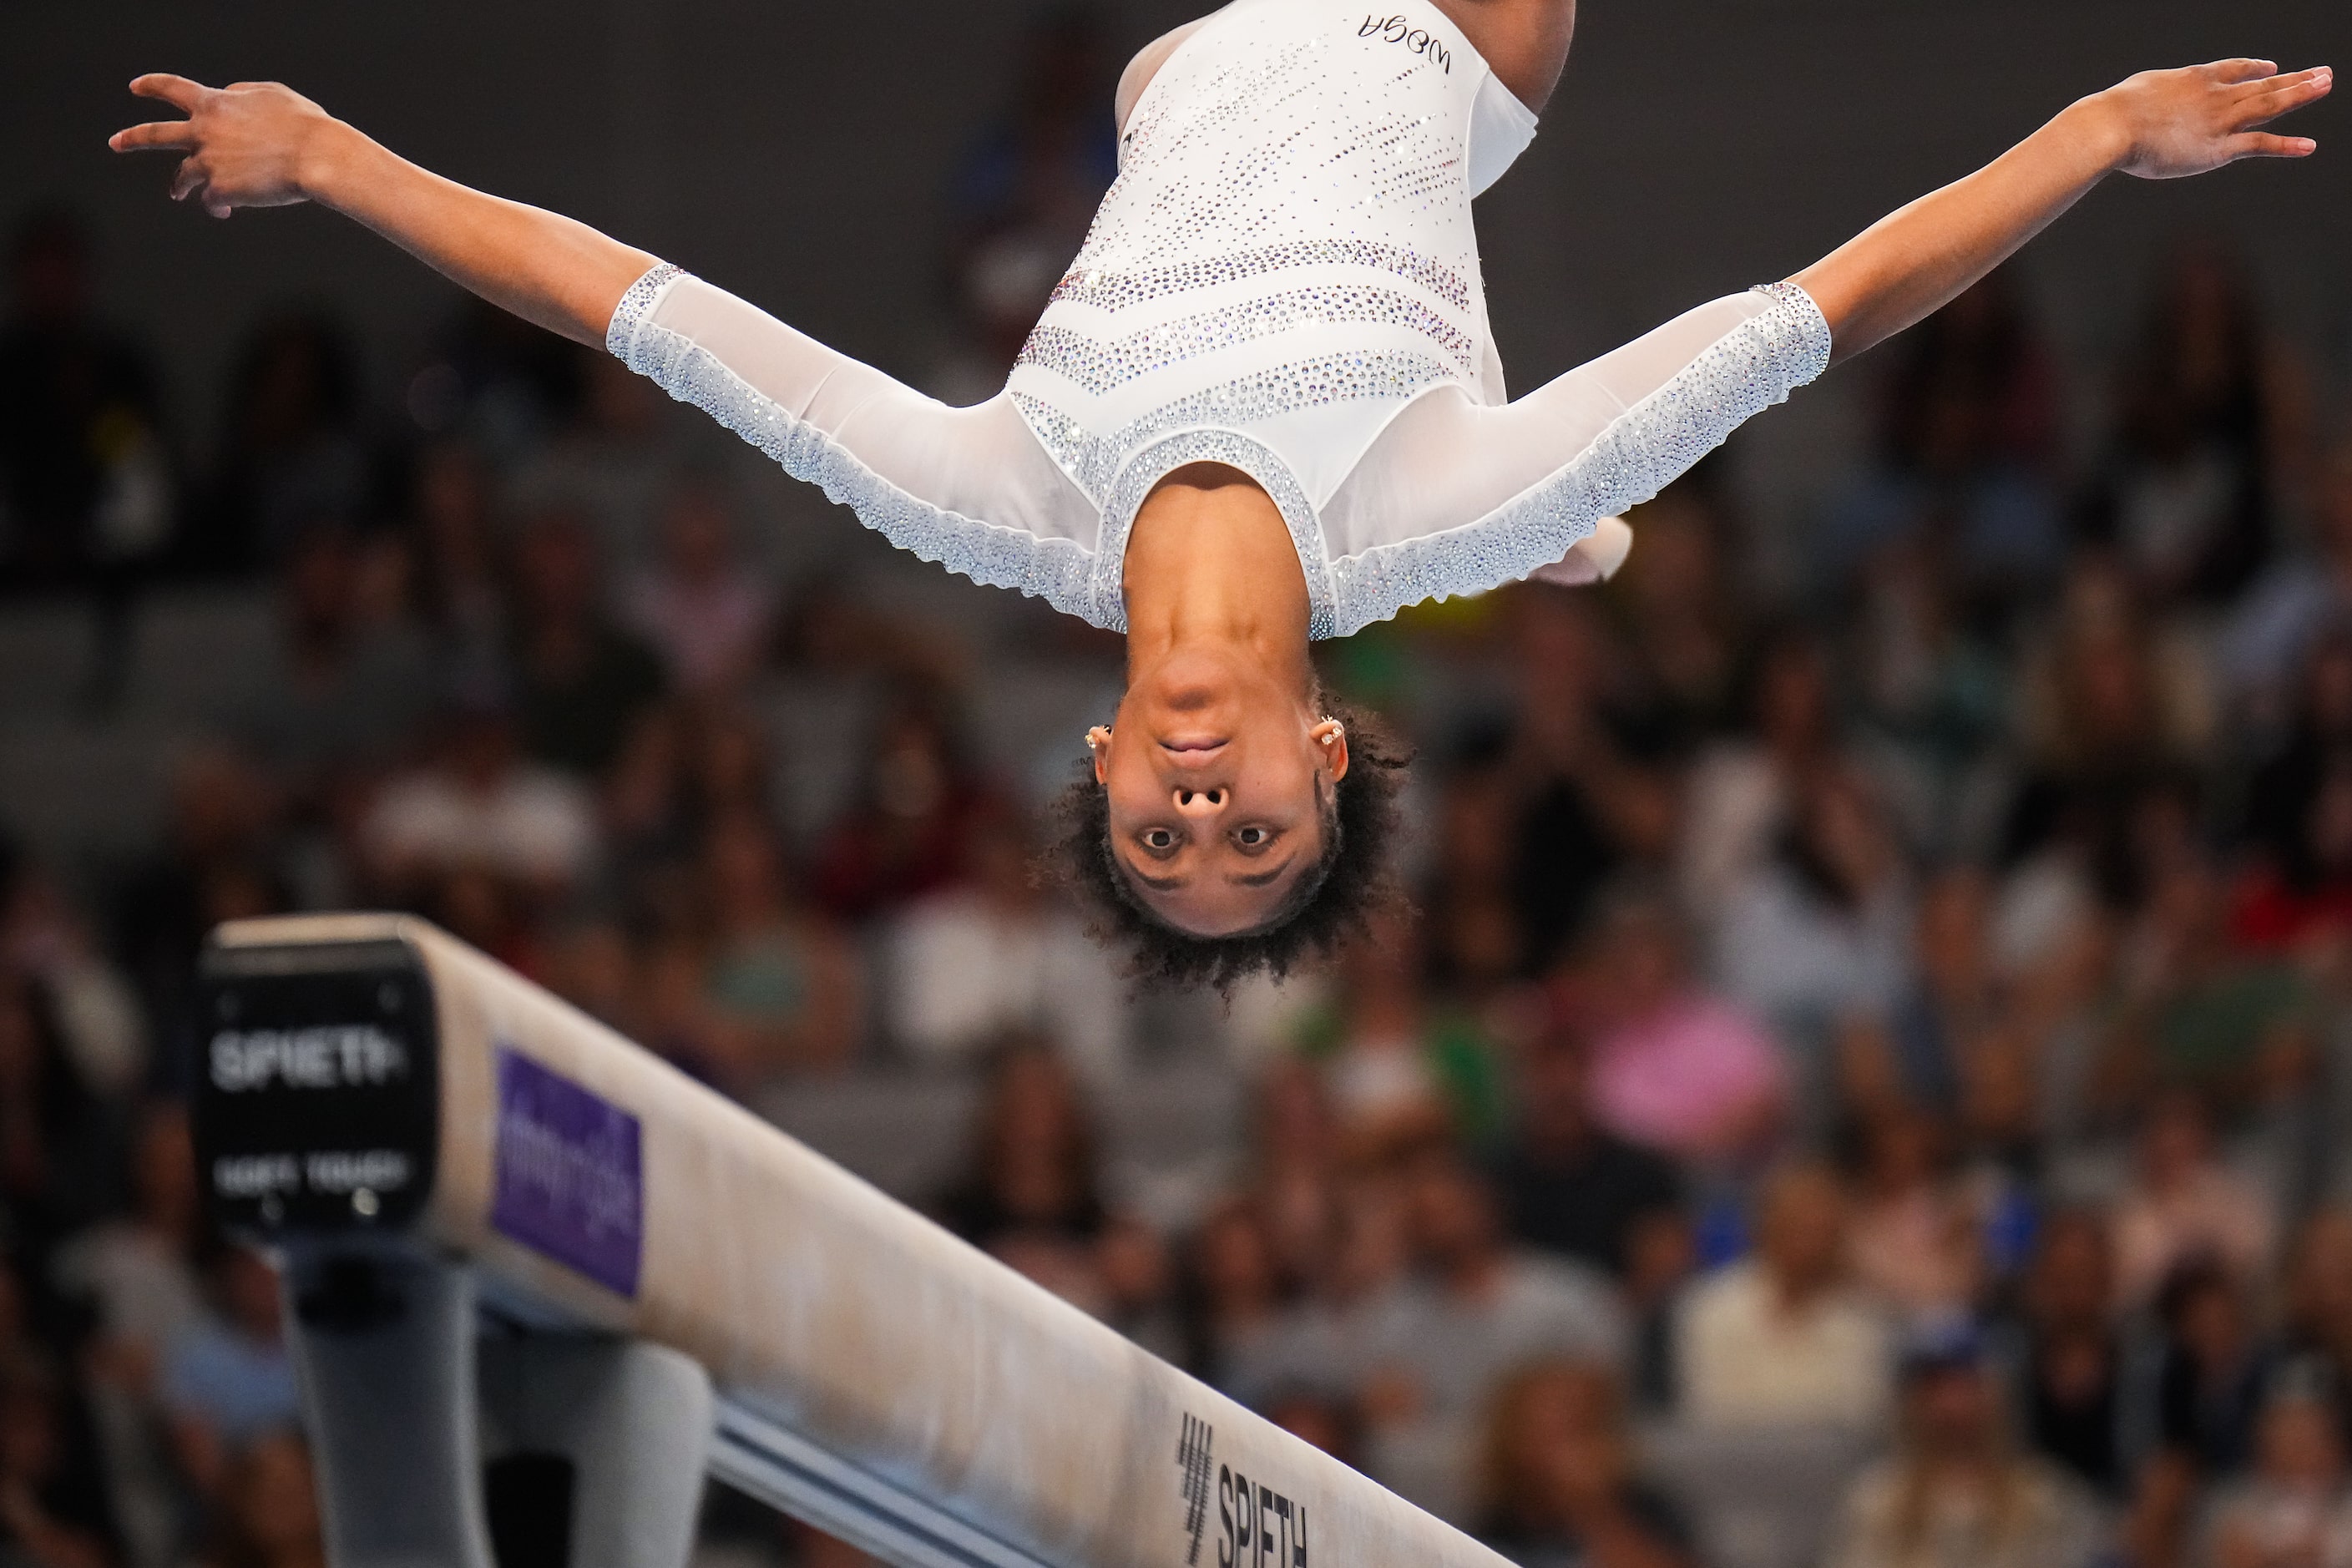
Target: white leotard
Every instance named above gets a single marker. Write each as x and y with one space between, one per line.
1285 278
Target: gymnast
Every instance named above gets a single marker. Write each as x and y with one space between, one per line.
1263 406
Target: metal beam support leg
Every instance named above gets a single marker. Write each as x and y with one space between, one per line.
635 1420
383 1341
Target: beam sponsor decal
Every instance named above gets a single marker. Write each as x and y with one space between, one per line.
571 1180
1262 1528
1192 1462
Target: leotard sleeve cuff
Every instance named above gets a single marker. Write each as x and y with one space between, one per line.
636 307
1801 330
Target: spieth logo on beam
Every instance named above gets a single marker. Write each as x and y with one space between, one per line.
1193 1463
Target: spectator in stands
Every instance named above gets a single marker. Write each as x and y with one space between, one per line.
1969 429
2316 1312
1956 1494
461 592
337 697
1294 1169
613 461
1400 1064
2114 709
2211 418
593 963
1915 1235
1782 1337
1477 944
227 1378
1822 930
215 854
1342 1335
59 1136
292 449
44 940
709 615
580 681
2215 1368
87 472
54 1511
136 1276
2184 1205
1684 625
2069 1358
1557 1488
480 806
2237 1028
2295 1505
138 1270
1933 695
685 766
2274 629
1481 1306
1661 1254
1589 810
782 977
907 833
967 964
1918 1055
1034 1193
1674 1069
2297 891
1235 1308
268 1516
1022 197
1741 795
1567 1184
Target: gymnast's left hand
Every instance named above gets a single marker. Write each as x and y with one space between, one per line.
248 144
2167 124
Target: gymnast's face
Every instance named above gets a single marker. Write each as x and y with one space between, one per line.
1216 776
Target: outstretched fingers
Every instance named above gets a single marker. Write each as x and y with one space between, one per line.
2241 69
2290 94
177 90
160 133
2263 145
180 93
2283 95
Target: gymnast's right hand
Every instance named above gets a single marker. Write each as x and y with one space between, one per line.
248 144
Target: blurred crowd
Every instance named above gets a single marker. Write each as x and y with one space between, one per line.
1861 1080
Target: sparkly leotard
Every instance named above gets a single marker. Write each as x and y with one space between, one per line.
1284 279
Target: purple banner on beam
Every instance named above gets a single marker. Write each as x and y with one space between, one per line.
569 1175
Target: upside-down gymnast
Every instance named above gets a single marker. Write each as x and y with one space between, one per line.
1264 405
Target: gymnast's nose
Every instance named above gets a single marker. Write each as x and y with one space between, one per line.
1200 802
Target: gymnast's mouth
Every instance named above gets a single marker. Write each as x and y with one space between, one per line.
1191 750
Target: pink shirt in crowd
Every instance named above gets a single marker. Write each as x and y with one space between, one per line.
1678 1078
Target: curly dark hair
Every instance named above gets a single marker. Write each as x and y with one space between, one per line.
1353 880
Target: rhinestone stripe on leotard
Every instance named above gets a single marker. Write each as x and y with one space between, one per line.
1099 364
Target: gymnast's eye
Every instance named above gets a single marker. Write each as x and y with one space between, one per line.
1253 836
1158 840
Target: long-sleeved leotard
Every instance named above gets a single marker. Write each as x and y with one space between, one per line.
1283 278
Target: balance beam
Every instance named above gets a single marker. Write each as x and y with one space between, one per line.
469 1181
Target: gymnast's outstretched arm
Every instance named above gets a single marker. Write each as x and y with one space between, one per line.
2159 125
1524 487
965 487
258 144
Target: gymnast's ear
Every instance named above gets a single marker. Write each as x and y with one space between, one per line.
1099 743
1330 737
